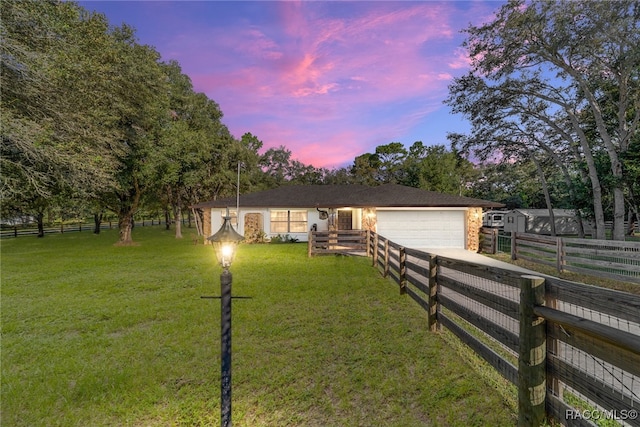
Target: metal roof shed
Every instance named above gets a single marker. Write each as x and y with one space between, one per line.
538 221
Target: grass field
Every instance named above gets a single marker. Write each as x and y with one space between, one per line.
99 335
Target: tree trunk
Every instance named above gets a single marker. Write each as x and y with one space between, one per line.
40 219
618 214
167 219
567 180
547 196
97 220
128 206
124 224
177 215
631 223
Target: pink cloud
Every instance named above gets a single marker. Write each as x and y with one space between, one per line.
460 60
321 81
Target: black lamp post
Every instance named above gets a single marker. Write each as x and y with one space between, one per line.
225 242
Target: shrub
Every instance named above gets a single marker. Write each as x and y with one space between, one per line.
283 239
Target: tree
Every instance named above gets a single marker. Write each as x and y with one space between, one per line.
56 132
280 169
275 163
554 62
90 114
138 93
631 168
435 168
251 175
365 169
195 157
391 158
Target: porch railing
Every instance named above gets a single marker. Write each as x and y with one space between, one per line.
338 242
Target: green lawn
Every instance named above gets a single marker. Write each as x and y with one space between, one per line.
99 335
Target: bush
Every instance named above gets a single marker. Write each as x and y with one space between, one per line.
284 239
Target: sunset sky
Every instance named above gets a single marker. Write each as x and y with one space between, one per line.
329 80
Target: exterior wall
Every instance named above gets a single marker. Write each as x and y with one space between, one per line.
474 223
216 220
369 220
253 223
514 221
313 217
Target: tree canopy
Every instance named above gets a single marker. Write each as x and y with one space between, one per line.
94 121
558 80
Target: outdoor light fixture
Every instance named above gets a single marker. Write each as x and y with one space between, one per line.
225 242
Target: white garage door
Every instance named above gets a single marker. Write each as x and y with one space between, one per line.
423 229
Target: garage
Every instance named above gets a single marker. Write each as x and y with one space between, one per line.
423 228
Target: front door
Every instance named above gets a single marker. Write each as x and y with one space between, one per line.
344 220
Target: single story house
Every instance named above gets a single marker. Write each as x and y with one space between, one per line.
408 216
538 221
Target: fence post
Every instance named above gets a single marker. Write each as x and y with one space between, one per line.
432 317
532 387
494 241
553 347
333 239
368 242
375 250
514 247
560 254
309 243
386 258
403 270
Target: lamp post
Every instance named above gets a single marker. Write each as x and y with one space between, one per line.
225 242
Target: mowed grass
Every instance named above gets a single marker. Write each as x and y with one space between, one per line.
99 335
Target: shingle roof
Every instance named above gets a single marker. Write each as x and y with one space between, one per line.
338 196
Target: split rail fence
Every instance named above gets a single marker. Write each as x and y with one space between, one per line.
602 258
572 350
69 228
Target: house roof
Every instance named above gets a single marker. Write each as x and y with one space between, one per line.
338 196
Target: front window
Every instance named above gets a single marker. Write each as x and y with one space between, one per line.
288 221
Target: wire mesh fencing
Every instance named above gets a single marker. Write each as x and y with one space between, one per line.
589 343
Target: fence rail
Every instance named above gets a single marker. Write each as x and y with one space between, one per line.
68 228
337 242
558 341
602 258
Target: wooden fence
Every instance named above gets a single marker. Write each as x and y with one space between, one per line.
68 228
602 258
337 242
563 344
